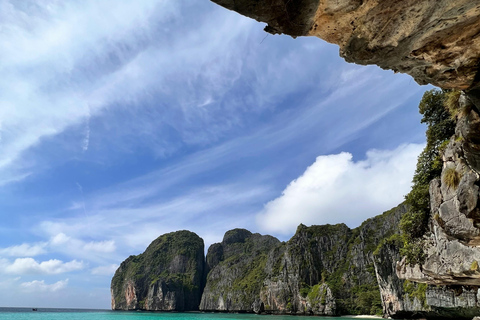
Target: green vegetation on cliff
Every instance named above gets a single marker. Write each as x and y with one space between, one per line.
236 270
353 282
334 257
440 128
322 270
172 264
416 291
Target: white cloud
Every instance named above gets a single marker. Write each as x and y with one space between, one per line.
24 250
108 270
41 286
97 251
31 266
337 189
74 246
59 239
100 246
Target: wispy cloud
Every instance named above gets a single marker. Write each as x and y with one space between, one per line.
58 243
73 246
86 140
210 205
41 286
8 283
46 85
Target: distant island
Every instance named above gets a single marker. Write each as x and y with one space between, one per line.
321 270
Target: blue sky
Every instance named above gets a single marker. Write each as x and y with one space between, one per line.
121 121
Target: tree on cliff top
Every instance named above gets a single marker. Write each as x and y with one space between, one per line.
440 127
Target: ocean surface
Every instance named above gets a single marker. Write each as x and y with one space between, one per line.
84 314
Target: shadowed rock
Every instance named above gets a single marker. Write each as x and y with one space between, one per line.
435 42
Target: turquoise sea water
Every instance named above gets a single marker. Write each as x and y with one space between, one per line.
73 314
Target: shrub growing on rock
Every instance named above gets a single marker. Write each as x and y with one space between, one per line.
451 177
440 127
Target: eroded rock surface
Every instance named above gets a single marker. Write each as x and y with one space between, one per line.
168 276
236 271
452 245
321 270
294 270
435 42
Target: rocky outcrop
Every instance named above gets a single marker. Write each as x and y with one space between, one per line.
435 42
406 299
168 276
321 270
255 273
236 271
450 271
396 303
452 245
294 282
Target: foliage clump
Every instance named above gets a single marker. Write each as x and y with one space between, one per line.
474 265
416 290
451 177
452 103
434 107
317 293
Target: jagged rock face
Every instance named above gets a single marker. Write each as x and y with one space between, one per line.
329 269
236 270
168 276
404 299
294 270
321 270
435 42
448 280
468 128
453 251
454 302
453 242
254 273
394 301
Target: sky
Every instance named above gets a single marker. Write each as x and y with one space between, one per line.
124 120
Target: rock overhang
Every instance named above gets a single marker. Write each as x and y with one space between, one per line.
436 42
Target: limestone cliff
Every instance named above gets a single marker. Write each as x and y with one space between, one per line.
254 273
403 298
435 42
321 270
294 282
452 243
168 276
236 271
